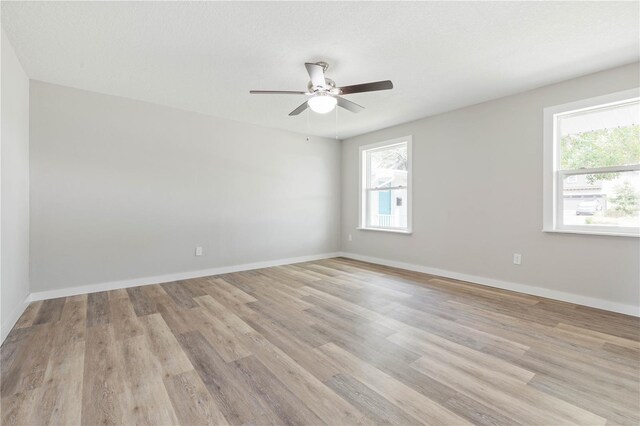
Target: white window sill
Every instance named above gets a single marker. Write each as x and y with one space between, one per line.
395 231
602 233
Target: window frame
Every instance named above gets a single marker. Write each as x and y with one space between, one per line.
553 176
364 189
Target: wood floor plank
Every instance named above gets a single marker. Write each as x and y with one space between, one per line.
153 291
164 346
145 389
452 330
123 317
191 400
27 369
224 314
476 412
180 295
236 402
621 355
623 326
49 311
243 281
622 341
62 389
326 404
178 320
335 341
277 297
513 399
616 411
597 381
142 305
29 315
355 326
220 335
276 396
13 351
298 350
282 276
104 382
63 378
430 344
193 287
16 408
219 288
98 310
409 400
518 329
378 409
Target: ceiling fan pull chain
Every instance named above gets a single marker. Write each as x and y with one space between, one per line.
336 123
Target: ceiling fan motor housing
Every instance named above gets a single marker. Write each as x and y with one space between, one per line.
330 87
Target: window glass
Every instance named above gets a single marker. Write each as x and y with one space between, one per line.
603 199
387 208
388 167
601 137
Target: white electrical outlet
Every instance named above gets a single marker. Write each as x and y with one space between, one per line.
517 258
350 238
198 251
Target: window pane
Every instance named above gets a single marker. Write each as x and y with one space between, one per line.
605 199
602 137
387 208
388 167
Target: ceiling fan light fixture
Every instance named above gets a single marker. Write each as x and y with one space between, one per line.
322 103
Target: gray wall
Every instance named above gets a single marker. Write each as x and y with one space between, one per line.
14 250
477 188
122 189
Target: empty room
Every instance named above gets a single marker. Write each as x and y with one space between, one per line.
320 213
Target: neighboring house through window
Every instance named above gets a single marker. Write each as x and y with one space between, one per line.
385 185
592 165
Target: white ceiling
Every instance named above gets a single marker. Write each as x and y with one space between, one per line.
206 57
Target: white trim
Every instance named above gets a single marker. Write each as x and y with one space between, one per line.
394 230
363 183
115 285
586 232
613 169
506 285
551 195
13 318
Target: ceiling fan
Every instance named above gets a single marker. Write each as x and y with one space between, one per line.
323 93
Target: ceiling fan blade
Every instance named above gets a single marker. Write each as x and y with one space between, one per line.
299 109
348 105
277 92
316 72
367 87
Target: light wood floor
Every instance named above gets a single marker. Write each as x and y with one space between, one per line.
328 342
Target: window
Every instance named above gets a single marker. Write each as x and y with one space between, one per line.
385 186
592 166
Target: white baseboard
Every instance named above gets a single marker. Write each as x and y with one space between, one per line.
6 327
505 285
521 288
115 285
